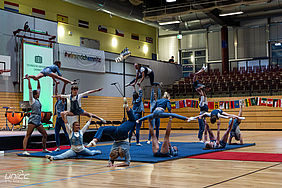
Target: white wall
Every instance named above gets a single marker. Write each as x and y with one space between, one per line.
168 46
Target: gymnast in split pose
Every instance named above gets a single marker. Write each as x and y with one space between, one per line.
34 121
200 88
216 143
76 141
159 108
235 131
141 73
74 104
51 72
155 122
215 115
119 134
138 109
166 150
60 106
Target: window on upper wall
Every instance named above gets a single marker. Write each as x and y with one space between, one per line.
242 65
187 54
264 62
187 68
200 53
186 61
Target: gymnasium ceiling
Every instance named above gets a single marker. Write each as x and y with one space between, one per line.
191 14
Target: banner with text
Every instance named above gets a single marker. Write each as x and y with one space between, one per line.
36 58
81 58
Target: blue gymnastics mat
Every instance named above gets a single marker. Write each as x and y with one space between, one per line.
144 153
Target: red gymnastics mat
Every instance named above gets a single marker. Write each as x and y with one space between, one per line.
241 156
50 149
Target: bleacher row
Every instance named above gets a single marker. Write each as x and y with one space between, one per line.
243 82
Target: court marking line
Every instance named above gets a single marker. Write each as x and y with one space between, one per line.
68 178
57 163
246 174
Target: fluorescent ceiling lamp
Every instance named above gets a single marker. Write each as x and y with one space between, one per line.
171 22
231 13
277 44
170 1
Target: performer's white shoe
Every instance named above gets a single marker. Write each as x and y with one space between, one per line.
49 157
104 121
125 104
91 144
204 67
191 118
25 153
128 84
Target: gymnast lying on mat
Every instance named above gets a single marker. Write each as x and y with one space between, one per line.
119 134
215 115
76 141
166 150
158 110
216 143
50 71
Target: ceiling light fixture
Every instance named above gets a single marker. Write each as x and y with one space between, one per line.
231 13
170 1
168 23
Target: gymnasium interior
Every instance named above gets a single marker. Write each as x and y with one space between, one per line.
226 54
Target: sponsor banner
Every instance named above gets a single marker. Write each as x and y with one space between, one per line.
80 58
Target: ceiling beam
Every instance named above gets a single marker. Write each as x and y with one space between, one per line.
189 8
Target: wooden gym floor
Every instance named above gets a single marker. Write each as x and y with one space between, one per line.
177 173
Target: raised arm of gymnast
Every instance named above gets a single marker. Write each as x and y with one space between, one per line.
85 93
206 114
91 91
240 113
68 128
56 90
30 90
